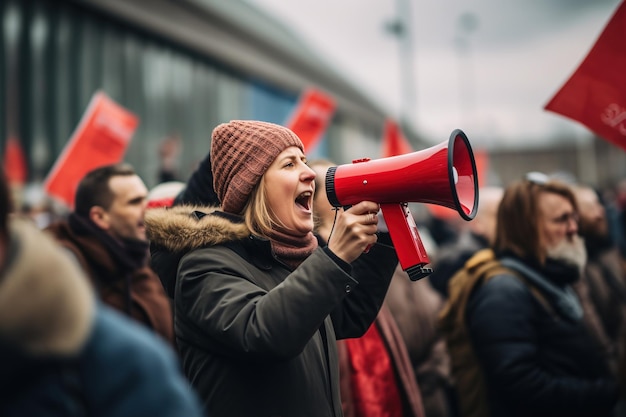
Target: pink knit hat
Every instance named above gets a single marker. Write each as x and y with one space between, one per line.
241 152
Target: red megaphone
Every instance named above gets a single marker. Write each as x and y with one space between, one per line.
444 174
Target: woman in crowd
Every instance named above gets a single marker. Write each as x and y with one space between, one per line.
259 302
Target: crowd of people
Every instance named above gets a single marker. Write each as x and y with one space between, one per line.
245 293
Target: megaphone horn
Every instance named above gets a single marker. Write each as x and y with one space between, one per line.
444 175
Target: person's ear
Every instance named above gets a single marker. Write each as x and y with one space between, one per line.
100 217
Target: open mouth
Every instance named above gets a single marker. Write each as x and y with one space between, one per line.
304 200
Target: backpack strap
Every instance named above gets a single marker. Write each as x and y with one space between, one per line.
467 374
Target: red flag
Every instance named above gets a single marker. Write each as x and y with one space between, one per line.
101 138
311 117
481 159
15 167
595 95
394 142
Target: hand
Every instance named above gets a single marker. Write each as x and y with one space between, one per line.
355 231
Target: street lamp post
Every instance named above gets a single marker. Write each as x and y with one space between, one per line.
400 27
466 24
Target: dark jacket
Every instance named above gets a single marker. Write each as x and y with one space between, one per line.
256 338
136 292
602 291
536 362
415 307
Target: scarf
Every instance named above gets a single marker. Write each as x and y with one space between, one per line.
128 254
556 271
559 272
373 381
292 249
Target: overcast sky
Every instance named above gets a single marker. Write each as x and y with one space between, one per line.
485 66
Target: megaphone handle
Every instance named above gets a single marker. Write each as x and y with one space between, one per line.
406 240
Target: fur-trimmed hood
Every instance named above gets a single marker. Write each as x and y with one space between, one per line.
177 230
46 303
182 228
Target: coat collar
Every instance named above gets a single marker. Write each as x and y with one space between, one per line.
182 228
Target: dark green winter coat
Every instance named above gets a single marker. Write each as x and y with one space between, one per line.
256 338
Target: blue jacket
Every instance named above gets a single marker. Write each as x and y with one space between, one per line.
123 371
64 354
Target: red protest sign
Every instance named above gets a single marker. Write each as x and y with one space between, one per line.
311 117
15 166
394 142
595 95
101 138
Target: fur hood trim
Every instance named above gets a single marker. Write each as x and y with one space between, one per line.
181 228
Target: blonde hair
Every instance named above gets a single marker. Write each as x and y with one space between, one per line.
257 214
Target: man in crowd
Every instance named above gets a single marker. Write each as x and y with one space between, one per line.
602 289
106 234
514 326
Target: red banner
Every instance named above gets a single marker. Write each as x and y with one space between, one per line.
311 117
595 95
394 142
101 138
15 167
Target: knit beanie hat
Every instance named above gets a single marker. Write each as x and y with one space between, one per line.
241 152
